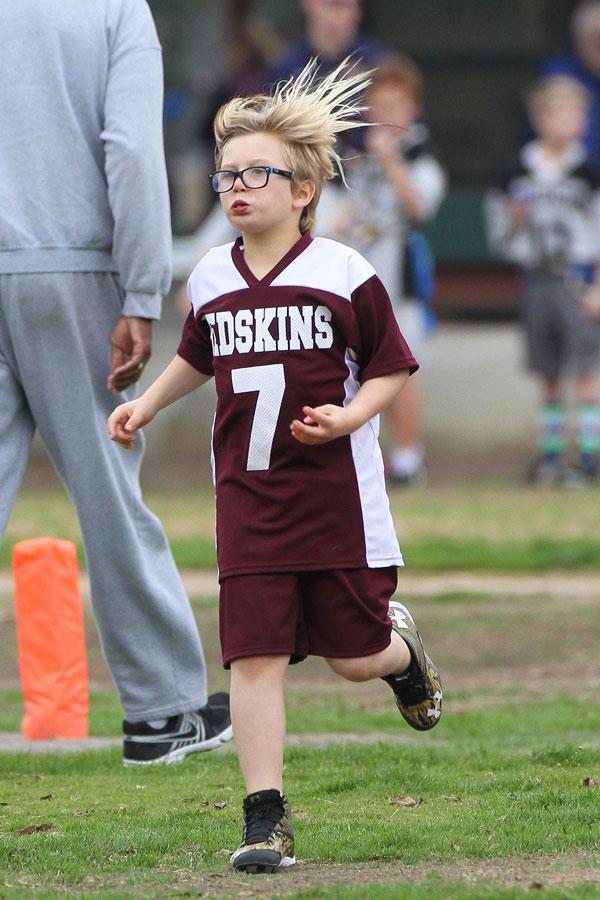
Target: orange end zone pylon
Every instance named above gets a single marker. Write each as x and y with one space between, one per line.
51 639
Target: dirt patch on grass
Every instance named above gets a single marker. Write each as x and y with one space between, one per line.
501 637
529 873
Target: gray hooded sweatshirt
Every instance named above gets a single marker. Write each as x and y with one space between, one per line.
82 166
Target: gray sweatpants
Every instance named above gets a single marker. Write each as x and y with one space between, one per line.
54 361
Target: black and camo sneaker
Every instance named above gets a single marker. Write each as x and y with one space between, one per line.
190 732
268 841
418 691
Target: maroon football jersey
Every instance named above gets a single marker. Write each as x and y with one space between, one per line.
309 332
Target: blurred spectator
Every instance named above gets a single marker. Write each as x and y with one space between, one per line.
251 46
251 49
583 63
544 215
332 32
188 199
397 185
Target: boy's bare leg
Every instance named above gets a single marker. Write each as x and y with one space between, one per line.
552 388
407 669
258 719
391 661
587 387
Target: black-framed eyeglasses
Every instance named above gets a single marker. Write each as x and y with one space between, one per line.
253 177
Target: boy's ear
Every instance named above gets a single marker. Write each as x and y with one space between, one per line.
302 194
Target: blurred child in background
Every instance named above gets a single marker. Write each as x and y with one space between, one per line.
544 215
397 184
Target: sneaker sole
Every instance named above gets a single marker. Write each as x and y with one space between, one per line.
177 756
256 867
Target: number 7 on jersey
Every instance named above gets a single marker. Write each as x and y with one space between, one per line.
269 381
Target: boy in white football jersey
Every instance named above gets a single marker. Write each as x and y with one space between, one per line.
544 215
301 339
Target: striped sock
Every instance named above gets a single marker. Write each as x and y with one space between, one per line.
552 430
588 418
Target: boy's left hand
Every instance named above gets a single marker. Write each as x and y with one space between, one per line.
591 302
321 424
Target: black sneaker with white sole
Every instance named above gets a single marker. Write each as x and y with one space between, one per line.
418 691
189 732
546 471
268 841
579 476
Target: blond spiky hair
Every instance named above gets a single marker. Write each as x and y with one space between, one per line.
307 113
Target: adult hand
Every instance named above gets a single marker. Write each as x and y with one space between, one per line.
130 347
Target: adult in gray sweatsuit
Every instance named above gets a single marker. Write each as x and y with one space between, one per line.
85 247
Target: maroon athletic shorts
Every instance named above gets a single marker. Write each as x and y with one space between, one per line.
340 613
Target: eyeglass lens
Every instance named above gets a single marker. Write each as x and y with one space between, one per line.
254 177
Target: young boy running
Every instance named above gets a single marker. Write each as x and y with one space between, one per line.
301 339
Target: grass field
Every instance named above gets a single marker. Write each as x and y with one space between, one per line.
501 804
477 525
482 791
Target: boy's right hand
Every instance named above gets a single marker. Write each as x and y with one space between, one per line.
128 418
383 141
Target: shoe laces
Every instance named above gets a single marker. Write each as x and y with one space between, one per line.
261 819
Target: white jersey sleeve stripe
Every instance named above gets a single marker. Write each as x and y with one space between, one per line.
381 542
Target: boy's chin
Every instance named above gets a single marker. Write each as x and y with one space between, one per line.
242 224
237 221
